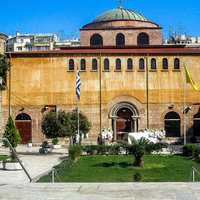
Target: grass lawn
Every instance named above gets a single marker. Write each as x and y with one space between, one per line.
157 168
3 157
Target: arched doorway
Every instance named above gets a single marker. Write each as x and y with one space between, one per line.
196 125
124 120
24 125
172 124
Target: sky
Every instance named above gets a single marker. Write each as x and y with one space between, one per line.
66 17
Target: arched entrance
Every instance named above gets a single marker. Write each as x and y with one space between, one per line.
124 120
24 125
196 125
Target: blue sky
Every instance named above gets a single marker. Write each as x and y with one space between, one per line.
66 17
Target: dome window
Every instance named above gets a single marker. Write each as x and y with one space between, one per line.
120 40
143 39
96 40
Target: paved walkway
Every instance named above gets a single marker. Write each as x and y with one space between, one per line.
126 191
35 164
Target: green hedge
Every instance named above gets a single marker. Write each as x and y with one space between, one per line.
189 150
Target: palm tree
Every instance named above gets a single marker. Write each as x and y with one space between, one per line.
138 148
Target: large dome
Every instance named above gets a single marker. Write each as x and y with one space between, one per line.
120 14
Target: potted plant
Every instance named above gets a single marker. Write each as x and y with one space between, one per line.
30 144
11 137
55 142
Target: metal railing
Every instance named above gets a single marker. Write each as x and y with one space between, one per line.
194 172
16 156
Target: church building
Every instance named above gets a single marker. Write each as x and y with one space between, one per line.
130 80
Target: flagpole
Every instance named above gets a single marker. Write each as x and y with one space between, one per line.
184 114
78 113
78 84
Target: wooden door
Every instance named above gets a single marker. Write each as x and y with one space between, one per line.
25 130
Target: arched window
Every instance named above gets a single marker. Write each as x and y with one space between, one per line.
120 40
23 117
106 64
71 64
96 40
176 63
165 63
118 65
129 64
141 64
94 64
153 64
143 39
196 125
172 124
83 65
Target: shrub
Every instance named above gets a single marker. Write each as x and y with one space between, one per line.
197 154
75 152
189 150
137 177
55 141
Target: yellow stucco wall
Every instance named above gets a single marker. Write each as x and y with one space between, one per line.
36 82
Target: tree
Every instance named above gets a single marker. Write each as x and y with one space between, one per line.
4 67
84 126
11 133
56 125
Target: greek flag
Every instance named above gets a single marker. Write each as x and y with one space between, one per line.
78 85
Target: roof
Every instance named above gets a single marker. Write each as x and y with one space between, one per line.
120 14
153 50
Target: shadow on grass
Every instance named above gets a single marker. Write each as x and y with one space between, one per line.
113 164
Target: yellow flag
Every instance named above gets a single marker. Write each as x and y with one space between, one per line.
190 80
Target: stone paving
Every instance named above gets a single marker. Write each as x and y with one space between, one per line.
97 191
34 163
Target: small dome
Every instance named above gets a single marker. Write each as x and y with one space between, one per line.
120 14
